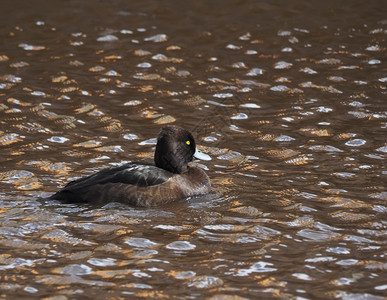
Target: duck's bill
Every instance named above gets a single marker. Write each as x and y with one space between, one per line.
201 155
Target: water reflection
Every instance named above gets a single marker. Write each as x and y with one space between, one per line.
292 113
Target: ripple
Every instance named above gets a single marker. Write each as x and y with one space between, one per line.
282 65
3 58
239 65
359 114
329 61
250 105
247 210
265 232
159 57
107 38
259 267
12 263
374 62
48 166
308 70
323 109
337 78
76 269
88 144
221 227
240 116
9 138
374 48
21 179
231 155
29 47
152 141
126 31
323 88
350 217
344 174
382 149
181 245
233 47
19 64
205 282
382 195
284 138
130 136
223 95
347 262
315 235
210 139
302 276
280 88
140 243
320 259
183 274
102 262
31 289
356 104
61 236
113 148
11 78
284 33
158 38
338 250
326 148
355 143
170 227
38 93
144 65
58 139
255 72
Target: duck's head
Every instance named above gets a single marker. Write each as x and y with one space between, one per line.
175 148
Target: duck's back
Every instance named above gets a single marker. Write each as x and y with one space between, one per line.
136 184
132 174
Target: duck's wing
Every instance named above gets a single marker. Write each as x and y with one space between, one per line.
135 174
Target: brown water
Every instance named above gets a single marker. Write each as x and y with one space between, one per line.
289 99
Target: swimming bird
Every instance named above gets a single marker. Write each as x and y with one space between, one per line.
140 184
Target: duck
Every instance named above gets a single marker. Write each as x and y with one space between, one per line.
169 179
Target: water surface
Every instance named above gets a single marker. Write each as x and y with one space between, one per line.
289 99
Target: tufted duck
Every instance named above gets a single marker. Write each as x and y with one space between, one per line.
140 184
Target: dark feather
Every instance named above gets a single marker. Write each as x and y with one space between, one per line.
135 174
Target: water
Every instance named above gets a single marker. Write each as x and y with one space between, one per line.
289 99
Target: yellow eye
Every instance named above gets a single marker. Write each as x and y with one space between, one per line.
188 143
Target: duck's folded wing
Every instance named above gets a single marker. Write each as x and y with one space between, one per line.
132 174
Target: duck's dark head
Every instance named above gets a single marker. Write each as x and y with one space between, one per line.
175 148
